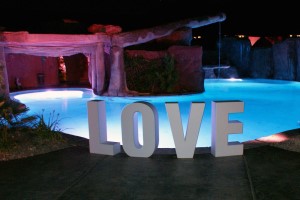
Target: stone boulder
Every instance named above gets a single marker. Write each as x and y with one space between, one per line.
285 57
230 72
237 53
209 72
261 63
188 62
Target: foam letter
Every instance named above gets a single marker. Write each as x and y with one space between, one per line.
129 121
185 145
97 130
221 127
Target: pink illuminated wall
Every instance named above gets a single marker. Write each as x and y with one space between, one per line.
26 67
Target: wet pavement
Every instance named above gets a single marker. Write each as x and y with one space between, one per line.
263 172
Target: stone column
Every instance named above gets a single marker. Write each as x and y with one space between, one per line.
88 57
98 69
92 74
117 86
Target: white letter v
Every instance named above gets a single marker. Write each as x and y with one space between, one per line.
185 145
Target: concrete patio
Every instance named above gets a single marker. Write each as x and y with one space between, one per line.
263 172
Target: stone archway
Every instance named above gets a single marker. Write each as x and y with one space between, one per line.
93 47
55 45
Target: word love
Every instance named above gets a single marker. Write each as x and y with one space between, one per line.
185 144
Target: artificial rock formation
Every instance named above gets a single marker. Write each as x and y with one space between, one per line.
280 61
94 48
188 64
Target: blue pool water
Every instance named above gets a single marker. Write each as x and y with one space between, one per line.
270 106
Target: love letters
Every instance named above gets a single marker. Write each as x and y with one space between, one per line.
185 144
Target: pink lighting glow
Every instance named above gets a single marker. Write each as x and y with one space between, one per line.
274 138
253 39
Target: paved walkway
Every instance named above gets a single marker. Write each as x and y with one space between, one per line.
263 172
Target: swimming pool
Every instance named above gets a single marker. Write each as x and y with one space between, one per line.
270 106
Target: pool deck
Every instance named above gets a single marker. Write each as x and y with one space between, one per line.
263 172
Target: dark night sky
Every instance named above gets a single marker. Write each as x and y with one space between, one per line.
243 17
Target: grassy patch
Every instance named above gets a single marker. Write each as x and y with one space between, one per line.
23 135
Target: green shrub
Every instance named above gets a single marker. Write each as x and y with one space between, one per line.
12 116
168 76
48 129
16 125
151 76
